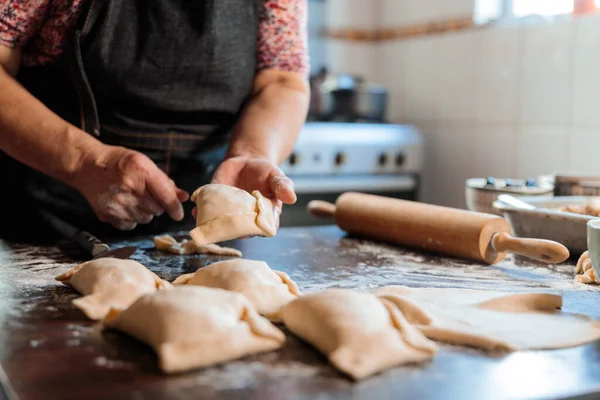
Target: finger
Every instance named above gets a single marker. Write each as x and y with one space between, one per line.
283 188
113 213
195 212
124 225
227 172
246 237
277 211
182 195
164 193
120 224
139 215
149 205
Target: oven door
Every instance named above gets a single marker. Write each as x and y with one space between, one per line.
329 188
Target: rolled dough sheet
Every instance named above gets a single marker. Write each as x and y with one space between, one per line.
492 321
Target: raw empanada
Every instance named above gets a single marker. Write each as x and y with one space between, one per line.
360 334
492 320
191 327
267 290
110 282
226 212
170 244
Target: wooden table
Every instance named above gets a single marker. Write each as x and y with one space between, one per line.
50 351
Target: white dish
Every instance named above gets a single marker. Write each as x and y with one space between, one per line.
480 197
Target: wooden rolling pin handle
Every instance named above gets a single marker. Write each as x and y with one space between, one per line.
321 209
537 249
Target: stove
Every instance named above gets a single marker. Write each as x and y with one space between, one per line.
331 158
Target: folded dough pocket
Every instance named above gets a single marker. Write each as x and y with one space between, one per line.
110 283
492 320
268 290
360 334
226 212
192 327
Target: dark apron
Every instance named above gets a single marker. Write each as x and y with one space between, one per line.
167 78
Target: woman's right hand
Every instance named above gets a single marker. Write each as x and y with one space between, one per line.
126 188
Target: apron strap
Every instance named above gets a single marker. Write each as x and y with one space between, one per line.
90 122
87 18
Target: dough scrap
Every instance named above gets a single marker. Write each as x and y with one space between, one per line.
110 282
185 247
492 321
226 212
164 242
191 327
360 334
584 273
268 290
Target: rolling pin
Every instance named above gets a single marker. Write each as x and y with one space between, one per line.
481 237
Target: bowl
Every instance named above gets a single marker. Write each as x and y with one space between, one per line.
481 193
573 184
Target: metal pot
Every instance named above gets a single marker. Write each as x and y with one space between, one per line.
346 98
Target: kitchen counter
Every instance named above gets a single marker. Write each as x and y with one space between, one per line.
49 350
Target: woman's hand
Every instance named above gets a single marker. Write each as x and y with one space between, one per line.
254 173
126 188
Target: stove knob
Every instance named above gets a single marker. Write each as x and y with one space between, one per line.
340 159
383 159
400 158
294 159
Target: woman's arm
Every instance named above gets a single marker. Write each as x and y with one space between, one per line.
123 187
269 125
33 134
273 118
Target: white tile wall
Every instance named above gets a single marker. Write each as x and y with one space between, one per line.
454 147
410 12
514 101
546 74
358 14
393 13
586 71
496 77
495 150
542 149
455 68
353 58
419 11
421 96
430 189
584 144
457 8
390 70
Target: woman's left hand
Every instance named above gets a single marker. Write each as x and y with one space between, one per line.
254 173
